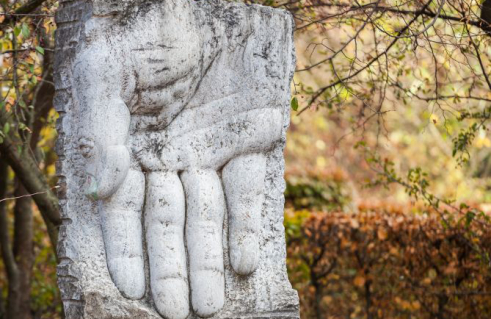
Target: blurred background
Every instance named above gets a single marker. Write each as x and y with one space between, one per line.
388 159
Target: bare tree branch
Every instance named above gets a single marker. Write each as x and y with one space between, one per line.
26 169
22 11
373 6
372 61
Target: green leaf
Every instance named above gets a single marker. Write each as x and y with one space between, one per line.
25 30
295 104
40 50
6 128
17 31
1 140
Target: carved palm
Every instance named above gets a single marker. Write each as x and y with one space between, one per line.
176 143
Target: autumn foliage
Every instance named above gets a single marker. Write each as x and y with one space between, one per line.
386 263
391 94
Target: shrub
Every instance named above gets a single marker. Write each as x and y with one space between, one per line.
317 190
389 264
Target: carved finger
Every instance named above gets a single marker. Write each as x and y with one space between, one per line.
164 224
243 180
205 210
122 232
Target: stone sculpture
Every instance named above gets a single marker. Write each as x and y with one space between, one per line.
173 119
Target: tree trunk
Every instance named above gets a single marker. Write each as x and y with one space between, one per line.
19 259
23 251
317 295
24 163
2 307
4 239
7 253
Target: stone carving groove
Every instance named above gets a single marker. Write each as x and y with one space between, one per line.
172 124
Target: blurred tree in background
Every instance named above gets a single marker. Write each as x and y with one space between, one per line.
388 159
28 224
398 97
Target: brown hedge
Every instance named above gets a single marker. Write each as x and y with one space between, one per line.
389 264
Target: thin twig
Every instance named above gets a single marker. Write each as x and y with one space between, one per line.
28 195
372 61
26 15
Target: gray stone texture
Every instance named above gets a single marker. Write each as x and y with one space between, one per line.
173 116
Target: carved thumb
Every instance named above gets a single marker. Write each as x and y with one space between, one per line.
109 173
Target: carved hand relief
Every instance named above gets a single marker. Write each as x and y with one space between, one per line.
175 126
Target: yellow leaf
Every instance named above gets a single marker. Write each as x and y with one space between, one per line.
432 274
434 118
327 299
355 224
359 281
405 305
382 234
416 305
394 251
7 45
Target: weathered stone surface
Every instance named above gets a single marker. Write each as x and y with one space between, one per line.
172 127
